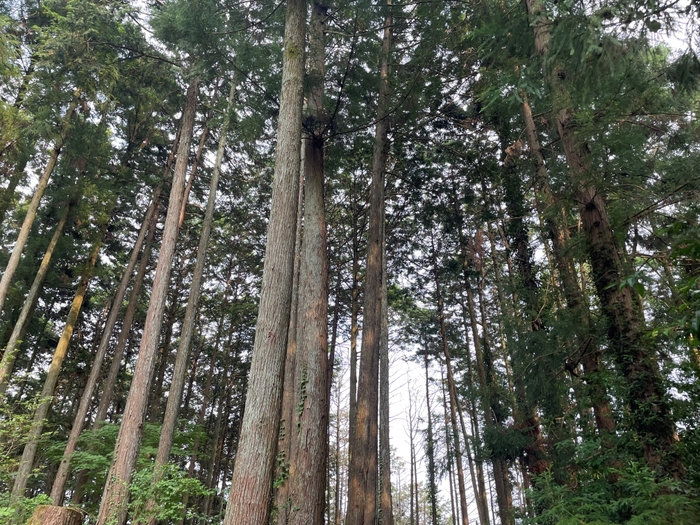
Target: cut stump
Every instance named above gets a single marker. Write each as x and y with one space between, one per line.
52 515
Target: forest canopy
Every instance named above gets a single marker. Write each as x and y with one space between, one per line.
261 258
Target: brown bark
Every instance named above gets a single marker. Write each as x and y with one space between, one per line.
284 444
27 461
559 235
13 263
635 355
430 447
387 511
252 474
55 515
363 475
307 465
59 483
111 380
113 506
178 380
12 347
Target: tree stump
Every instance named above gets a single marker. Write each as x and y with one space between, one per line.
52 515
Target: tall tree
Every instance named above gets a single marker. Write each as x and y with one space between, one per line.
252 475
363 474
113 507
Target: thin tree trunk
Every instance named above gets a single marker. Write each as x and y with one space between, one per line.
430 446
387 511
59 483
362 489
451 390
27 461
111 380
13 263
8 358
113 506
251 484
178 381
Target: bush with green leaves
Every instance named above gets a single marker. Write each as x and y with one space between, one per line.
610 490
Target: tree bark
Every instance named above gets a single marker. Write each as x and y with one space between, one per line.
12 347
252 474
55 515
363 475
113 506
178 380
59 483
284 444
451 389
13 263
387 511
559 235
27 461
430 446
309 443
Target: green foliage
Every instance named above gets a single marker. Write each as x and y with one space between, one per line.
505 442
19 511
607 495
168 493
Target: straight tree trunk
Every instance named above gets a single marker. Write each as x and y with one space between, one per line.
309 447
452 391
111 380
251 484
387 511
13 263
430 447
59 483
8 358
559 236
363 475
284 444
113 506
178 381
27 461
354 314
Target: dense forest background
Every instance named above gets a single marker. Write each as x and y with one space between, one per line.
504 194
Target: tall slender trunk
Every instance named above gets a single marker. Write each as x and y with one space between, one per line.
448 449
27 461
178 380
354 314
387 511
430 447
284 443
634 354
363 475
113 506
113 373
59 483
307 465
252 474
13 263
12 347
452 391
